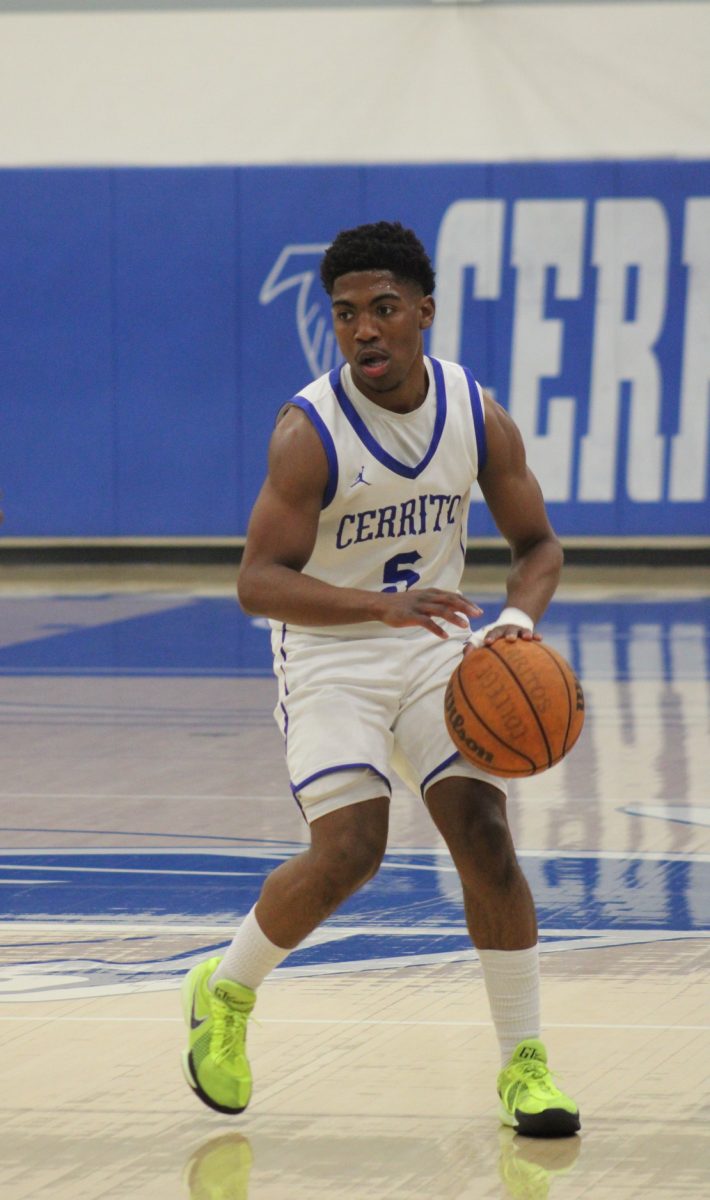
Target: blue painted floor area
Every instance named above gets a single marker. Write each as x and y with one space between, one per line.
211 636
190 635
417 889
409 914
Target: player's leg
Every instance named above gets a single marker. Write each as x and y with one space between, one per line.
471 816
469 808
346 849
336 707
500 914
467 804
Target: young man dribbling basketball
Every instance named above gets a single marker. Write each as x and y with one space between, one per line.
355 551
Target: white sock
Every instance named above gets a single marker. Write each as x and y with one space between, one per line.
250 957
512 979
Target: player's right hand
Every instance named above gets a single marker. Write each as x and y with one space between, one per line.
426 607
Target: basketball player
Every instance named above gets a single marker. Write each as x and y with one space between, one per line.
355 551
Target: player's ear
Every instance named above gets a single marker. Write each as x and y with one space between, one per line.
427 309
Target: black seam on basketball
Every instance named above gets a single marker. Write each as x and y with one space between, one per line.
570 697
530 704
493 733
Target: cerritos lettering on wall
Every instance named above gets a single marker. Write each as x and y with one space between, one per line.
594 288
581 298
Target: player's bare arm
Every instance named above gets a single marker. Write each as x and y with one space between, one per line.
280 539
515 500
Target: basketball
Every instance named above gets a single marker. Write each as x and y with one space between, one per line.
514 708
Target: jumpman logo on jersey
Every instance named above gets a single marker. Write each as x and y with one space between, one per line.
360 478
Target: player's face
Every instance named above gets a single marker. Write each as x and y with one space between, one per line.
378 322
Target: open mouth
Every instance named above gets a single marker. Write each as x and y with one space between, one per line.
373 363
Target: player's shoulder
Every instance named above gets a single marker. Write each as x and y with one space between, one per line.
315 394
299 450
301 431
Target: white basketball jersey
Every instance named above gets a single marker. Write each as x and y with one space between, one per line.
394 515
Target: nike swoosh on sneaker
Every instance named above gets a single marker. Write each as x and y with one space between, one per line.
194 1022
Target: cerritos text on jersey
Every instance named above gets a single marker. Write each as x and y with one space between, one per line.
418 515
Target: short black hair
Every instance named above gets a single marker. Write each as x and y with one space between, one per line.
384 246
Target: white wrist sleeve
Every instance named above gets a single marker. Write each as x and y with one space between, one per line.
516 616
509 616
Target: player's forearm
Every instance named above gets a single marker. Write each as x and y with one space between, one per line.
534 576
284 594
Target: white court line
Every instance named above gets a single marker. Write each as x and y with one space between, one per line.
78 926
94 796
228 874
248 849
33 882
71 870
357 1023
93 927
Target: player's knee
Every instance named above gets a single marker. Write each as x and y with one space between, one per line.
349 841
487 852
349 847
361 858
347 862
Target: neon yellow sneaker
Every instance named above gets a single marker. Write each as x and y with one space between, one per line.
529 1101
215 1062
220 1169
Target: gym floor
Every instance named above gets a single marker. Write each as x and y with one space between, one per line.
144 797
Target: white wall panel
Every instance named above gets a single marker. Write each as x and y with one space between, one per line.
318 86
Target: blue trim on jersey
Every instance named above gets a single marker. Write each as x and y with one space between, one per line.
284 710
328 445
479 421
296 787
376 450
282 653
441 767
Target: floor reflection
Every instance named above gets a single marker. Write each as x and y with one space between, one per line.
529 1166
221 1168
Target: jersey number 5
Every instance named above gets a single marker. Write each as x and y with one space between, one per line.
397 571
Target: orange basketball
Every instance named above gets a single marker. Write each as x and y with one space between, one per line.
514 708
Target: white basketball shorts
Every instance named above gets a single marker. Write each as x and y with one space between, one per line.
357 708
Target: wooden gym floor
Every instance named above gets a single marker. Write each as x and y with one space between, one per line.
144 797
